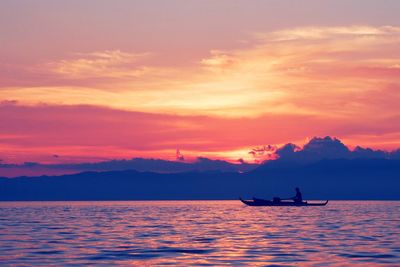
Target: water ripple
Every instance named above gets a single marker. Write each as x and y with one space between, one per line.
205 233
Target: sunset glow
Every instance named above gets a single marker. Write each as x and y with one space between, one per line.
84 96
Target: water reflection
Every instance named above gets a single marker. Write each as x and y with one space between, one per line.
201 233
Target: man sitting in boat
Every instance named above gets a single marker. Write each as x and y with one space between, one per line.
298 198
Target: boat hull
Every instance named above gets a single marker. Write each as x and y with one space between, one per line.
268 203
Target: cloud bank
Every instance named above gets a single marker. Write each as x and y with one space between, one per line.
329 148
280 86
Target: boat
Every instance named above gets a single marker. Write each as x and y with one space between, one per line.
263 202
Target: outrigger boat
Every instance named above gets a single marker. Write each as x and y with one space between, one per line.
278 202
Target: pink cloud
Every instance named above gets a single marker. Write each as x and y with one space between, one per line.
38 132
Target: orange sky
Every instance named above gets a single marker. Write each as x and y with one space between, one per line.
105 96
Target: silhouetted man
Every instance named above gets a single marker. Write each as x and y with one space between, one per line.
298 198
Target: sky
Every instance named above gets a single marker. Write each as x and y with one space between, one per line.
97 80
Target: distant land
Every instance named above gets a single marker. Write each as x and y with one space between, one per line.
324 169
139 164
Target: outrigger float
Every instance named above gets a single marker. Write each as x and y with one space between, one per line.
277 202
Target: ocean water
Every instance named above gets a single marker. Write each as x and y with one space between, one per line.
198 233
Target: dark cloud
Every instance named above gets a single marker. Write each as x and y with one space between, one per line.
8 102
360 152
287 151
262 153
262 150
329 148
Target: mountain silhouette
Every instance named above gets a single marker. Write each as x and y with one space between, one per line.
324 179
138 164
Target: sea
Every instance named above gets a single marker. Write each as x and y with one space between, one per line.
198 233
